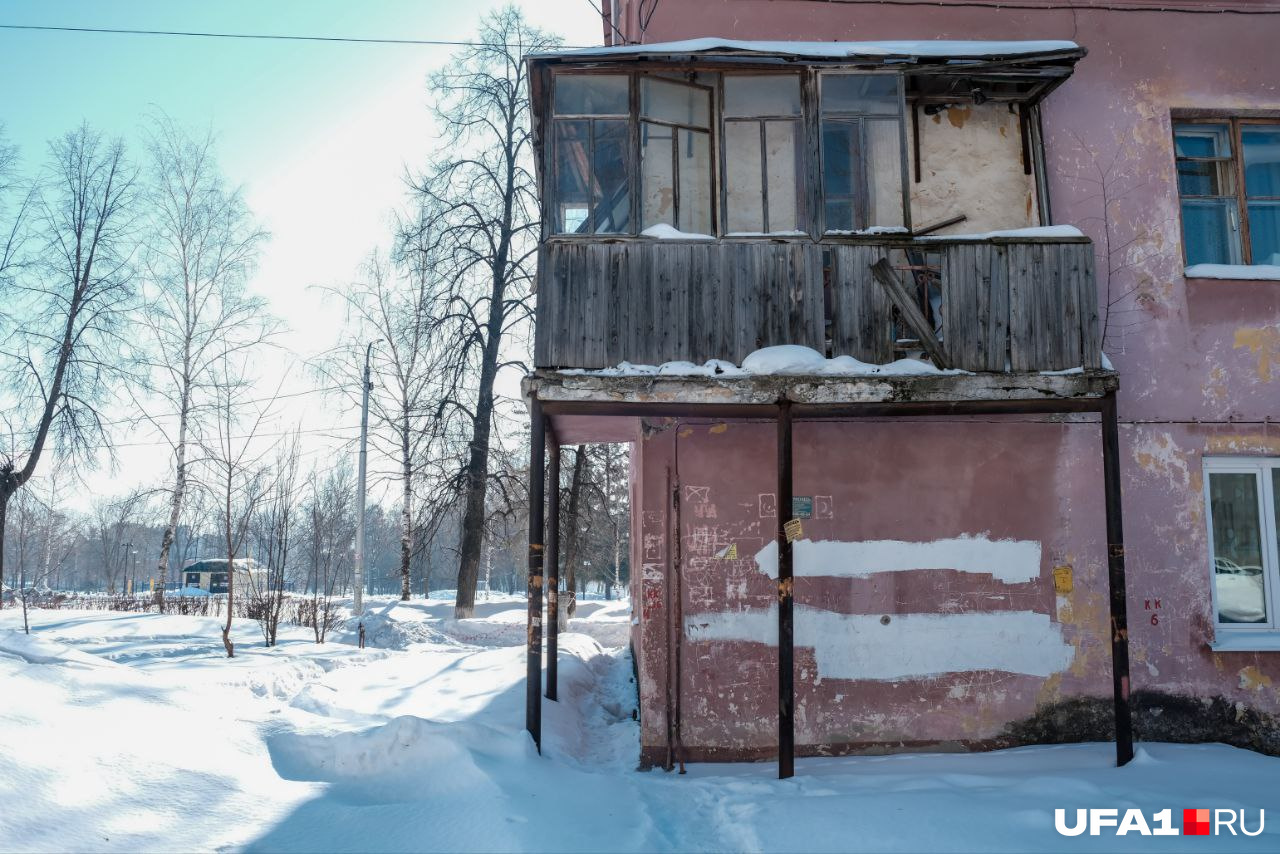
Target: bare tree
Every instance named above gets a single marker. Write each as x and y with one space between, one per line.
275 535
236 476
1128 245
478 218
73 299
114 523
202 243
391 308
573 530
330 536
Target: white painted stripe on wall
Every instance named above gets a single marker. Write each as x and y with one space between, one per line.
857 646
1010 561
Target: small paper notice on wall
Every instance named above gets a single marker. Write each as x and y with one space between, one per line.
729 552
793 530
1062 579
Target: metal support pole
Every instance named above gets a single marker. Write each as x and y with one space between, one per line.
1116 580
537 471
786 639
553 563
358 581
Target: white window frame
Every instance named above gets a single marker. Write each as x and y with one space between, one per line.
1248 636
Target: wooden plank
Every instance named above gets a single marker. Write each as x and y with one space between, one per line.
1021 308
963 337
596 308
620 313
816 301
1068 263
883 273
861 315
997 331
544 297
1091 342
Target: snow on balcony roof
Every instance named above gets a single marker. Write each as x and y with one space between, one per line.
935 49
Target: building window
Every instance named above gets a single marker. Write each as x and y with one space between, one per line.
590 158
762 142
1244 525
862 142
1229 183
675 154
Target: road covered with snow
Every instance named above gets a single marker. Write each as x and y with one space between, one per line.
134 732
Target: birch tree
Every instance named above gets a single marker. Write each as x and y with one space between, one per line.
391 307
202 244
478 217
72 298
236 478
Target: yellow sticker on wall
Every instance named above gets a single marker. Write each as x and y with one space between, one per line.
1062 579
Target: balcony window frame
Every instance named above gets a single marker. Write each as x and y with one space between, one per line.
851 116
552 167
714 109
1262 469
800 122
1235 122
809 174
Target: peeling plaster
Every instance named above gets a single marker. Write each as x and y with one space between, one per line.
1264 343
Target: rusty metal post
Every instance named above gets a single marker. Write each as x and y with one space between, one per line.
1116 580
553 562
786 638
533 676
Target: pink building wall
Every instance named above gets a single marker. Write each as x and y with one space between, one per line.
1199 362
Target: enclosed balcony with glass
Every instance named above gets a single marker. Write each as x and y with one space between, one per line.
703 200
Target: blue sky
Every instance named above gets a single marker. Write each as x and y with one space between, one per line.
318 134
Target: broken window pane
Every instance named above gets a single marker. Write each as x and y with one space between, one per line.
1237 547
675 102
591 94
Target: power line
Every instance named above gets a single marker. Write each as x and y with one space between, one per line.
265 36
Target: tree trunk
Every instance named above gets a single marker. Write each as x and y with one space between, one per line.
571 531
175 503
5 494
476 483
406 509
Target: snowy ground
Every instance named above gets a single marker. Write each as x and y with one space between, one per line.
134 732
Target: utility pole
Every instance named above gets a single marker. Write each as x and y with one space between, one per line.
358 605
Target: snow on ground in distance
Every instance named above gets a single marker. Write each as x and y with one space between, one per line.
133 732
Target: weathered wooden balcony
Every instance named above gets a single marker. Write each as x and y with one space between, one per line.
1015 304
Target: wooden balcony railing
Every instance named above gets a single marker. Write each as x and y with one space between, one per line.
1003 304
